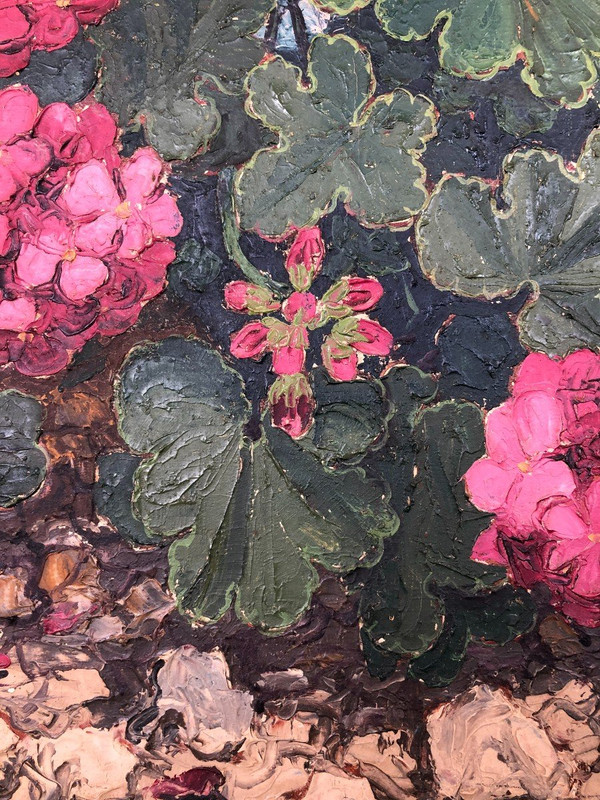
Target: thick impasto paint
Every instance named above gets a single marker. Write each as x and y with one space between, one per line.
299 399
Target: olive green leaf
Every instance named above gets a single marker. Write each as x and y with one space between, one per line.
402 600
494 617
350 419
548 238
22 460
247 518
557 39
517 110
174 67
336 141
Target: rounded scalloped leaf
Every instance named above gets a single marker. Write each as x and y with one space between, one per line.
182 70
557 40
247 518
548 238
23 462
337 141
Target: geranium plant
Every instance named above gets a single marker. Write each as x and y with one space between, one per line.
83 233
353 335
541 478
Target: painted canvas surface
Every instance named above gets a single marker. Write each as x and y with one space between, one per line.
299 399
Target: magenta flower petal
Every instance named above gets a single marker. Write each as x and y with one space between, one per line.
300 306
13 62
141 174
19 109
288 360
53 27
91 191
539 422
292 404
14 24
82 276
90 12
502 441
305 257
248 298
98 236
487 548
545 479
17 315
162 216
36 266
488 484
587 576
538 372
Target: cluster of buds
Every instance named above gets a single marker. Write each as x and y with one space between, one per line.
286 336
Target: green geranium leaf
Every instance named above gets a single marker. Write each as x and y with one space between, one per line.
112 496
376 252
251 517
196 266
167 64
517 110
492 618
22 460
548 239
350 419
402 602
336 141
559 40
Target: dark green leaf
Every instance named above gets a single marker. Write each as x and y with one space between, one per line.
168 64
22 460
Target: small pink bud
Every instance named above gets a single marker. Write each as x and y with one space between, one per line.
300 306
305 257
363 293
250 341
340 361
289 352
5 661
375 340
292 404
249 298
364 334
350 295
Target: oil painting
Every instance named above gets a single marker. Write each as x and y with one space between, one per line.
300 399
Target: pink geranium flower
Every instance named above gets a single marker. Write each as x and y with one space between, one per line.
541 477
288 340
84 235
43 25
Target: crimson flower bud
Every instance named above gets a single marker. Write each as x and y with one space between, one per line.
249 298
305 257
364 335
250 341
292 404
340 361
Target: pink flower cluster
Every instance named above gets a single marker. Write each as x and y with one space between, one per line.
27 25
541 478
352 335
83 233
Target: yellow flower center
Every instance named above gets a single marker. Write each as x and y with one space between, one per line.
524 466
123 210
70 255
594 537
63 3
